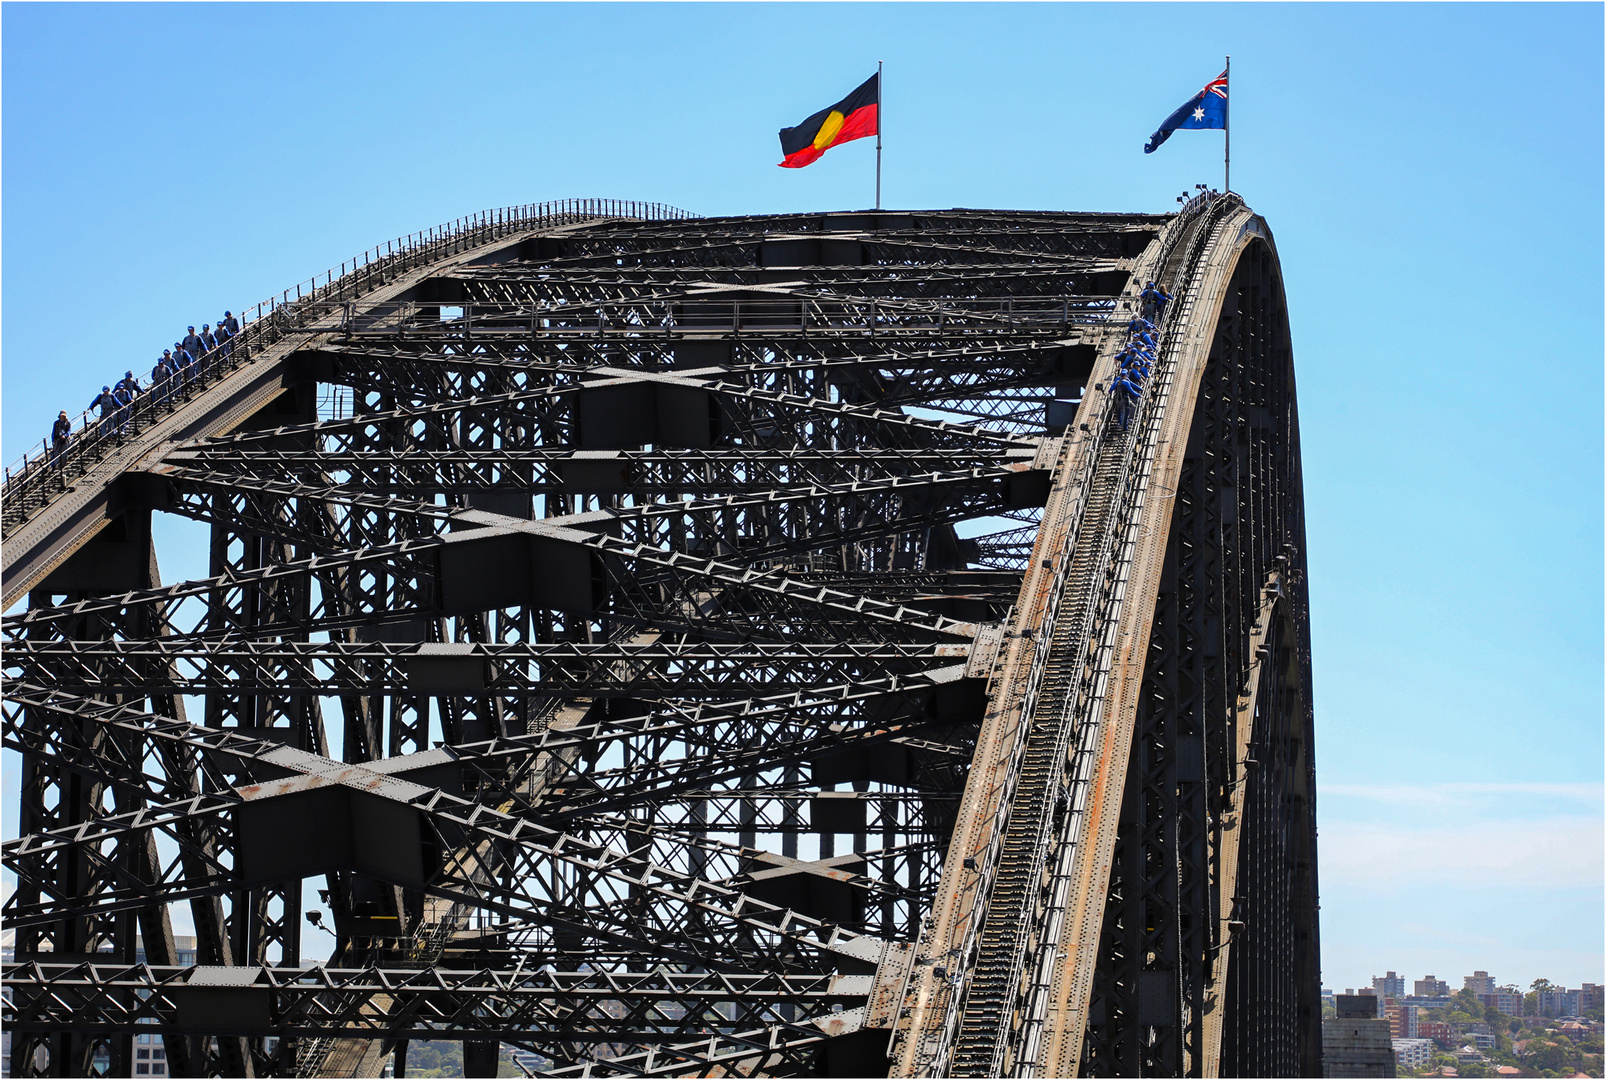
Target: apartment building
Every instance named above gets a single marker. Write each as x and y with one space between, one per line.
1414 1053
1389 986
1508 999
1558 1001
1430 986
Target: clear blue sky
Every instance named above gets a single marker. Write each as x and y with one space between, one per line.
1433 175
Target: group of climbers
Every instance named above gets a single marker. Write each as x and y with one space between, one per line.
177 367
1137 356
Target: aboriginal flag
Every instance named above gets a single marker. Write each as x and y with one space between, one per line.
853 117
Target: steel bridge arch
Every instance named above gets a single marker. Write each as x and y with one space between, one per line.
643 537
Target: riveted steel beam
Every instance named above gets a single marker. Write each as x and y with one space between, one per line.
747 645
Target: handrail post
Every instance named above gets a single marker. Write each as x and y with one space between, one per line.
355 276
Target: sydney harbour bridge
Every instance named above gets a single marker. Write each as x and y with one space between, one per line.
684 646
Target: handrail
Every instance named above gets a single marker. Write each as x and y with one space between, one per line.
949 999
39 473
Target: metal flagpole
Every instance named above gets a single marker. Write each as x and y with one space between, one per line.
878 134
1226 125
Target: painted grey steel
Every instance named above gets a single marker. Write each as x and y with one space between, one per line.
618 617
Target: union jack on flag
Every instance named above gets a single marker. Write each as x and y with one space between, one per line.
1206 109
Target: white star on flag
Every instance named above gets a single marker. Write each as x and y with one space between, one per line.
1198 114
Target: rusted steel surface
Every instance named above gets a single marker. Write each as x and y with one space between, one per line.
1232 822
1194 329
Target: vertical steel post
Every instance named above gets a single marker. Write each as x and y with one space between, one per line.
1226 120
878 112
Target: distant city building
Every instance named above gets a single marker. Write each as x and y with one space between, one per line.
1414 1053
1558 1001
1591 996
1430 986
1389 986
150 1055
1405 1018
1356 1042
1479 982
1506 999
1437 1030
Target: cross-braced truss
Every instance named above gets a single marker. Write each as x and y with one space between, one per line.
745 645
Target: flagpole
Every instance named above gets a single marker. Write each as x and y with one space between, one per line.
878 101
1226 126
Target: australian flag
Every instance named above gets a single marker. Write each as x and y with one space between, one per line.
1206 109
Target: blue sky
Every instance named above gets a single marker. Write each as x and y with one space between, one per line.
1433 175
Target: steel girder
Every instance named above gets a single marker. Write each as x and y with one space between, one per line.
736 645
1092 917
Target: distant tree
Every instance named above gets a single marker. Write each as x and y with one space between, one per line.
1466 1003
1556 1055
1474 1068
1541 985
434 1058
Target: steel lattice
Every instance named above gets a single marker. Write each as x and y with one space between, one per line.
680 646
